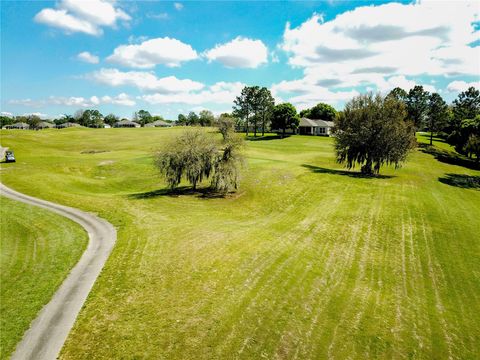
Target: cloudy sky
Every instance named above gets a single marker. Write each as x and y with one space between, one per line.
171 57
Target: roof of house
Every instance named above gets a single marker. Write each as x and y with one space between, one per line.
68 124
160 123
126 122
315 122
20 124
45 124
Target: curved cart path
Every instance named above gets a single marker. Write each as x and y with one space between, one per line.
47 333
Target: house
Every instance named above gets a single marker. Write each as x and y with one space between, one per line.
18 126
67 125
315 127
126 124
45 125
159 123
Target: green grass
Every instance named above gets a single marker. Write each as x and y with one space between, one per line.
306 261
38 249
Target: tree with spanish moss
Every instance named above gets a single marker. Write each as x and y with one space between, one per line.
373 131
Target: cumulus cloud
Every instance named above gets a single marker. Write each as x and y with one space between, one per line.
218 93
304 93
6 113
239 53
145 81
178 6
82 16
459 86
85 56
386 44
165 51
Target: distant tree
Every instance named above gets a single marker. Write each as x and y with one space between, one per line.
111 119
226 125
206 118
417 105
471 130
192 119
373 131
33 121
157 118
264 107
284 116
437 114
467 104
399 94
465 109
244 107
89 118
227 165
190 155
142 117
182 120
6 120
320 111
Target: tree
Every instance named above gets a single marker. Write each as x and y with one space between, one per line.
191 155
320 111
192 119
417 105
6 120
182 120
206 118
467 104
373 131
89 118
33 121
227 166
264 108
465 109
111 119
437 114
226 125
284 116
399 94
142 117
245 105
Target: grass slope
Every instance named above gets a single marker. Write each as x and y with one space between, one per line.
38 249
307 261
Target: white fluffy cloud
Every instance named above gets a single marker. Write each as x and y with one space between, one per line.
384 45
304 94
145 81
82 16
459 86
85 56
165 51
239 53
219 93
78 101
178 6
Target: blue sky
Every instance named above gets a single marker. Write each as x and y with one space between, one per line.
170 57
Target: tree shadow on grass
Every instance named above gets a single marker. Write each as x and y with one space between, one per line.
461 181
449 157
203 193
353 174
266 137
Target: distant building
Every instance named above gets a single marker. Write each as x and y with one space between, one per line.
67 125
315 127
18 126
126 124
46 125
159 123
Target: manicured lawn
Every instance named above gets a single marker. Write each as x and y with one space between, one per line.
306 261
38 249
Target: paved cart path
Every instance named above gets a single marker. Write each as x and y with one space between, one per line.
48 332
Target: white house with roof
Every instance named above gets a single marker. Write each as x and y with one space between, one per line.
315 127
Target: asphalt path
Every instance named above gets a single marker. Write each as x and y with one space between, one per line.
48 332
